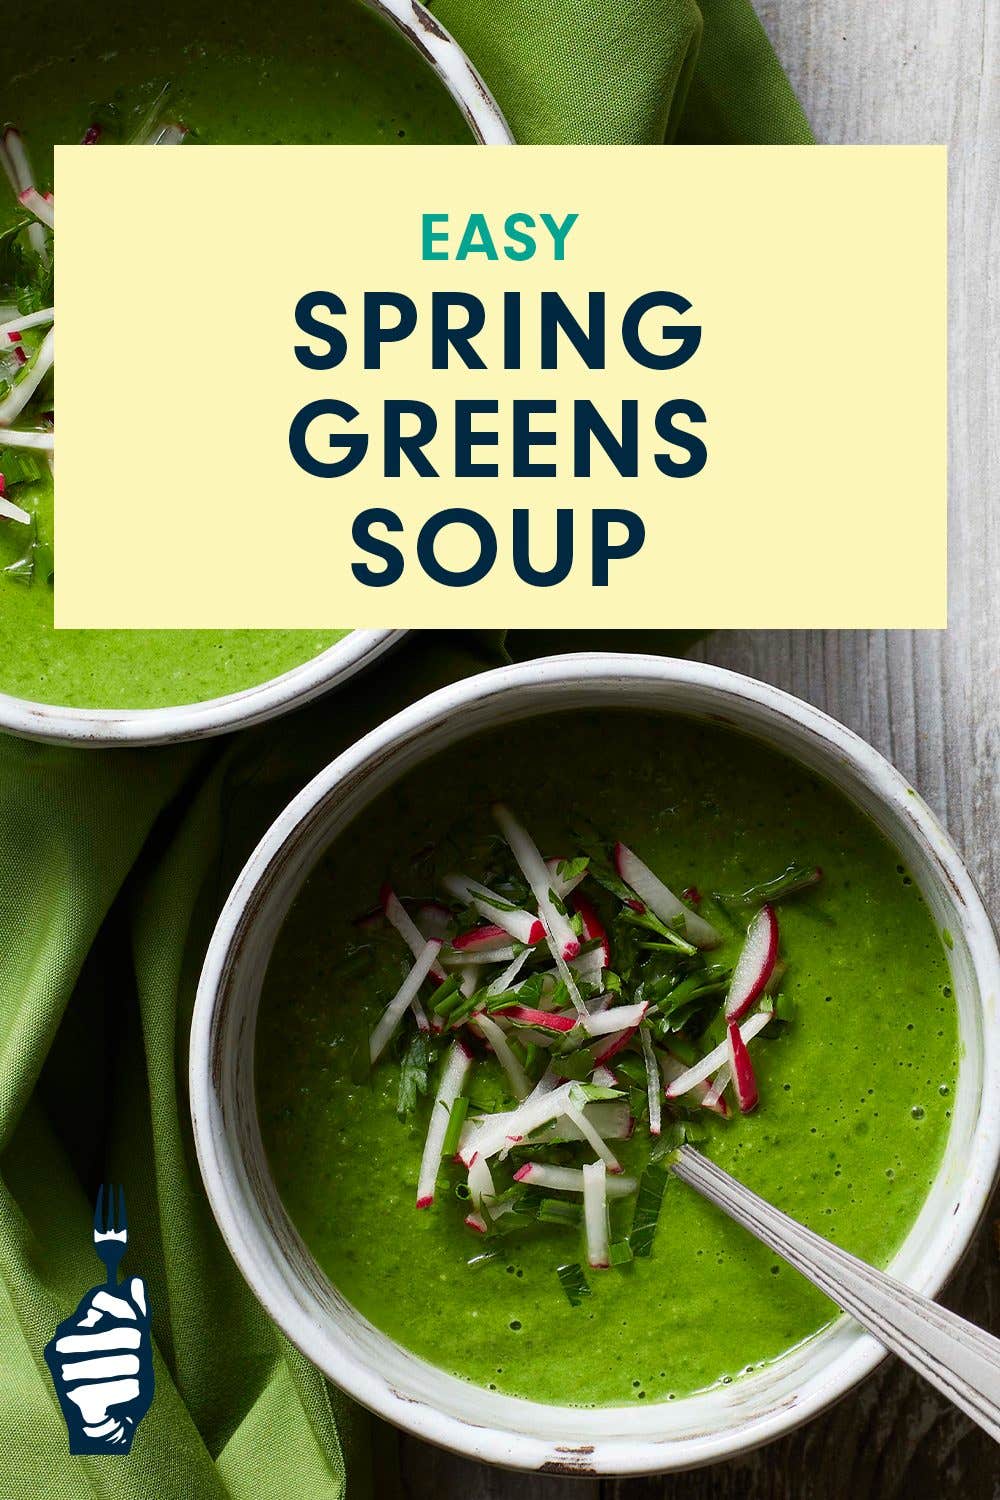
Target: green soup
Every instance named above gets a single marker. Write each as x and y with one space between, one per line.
250 73
855 1091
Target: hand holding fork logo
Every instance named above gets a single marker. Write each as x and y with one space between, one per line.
101 1358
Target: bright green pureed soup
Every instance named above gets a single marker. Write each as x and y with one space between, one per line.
855 1092
256 72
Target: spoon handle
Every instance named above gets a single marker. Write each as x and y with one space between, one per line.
961 1360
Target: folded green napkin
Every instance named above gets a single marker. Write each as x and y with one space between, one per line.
114 865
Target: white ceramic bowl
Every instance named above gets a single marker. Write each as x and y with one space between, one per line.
158 726
413 1394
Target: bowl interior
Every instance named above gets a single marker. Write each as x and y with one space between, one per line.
295 1291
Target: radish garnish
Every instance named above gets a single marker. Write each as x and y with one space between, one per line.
453 1076
472 1221
21 323
505 979
595 1214
754 965
522 925
562 885
480 1182
589 966
14 159
37 204
486 937
742 1069
397 916
432 919
618 1018
545 1020
653 1084
22 392
617 1044
592 1136
504 1055
660 898
168 133
16 437
718 1057
604 1078
536 873
404 996
672 1068
496 1133
713 1097
569 1179
593 929
11 512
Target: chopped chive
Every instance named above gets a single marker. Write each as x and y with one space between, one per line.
558 1211
647 1211
792 880
573 1283
447 995
456 1119
620 1253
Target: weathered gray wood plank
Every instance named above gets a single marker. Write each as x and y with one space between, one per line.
896 71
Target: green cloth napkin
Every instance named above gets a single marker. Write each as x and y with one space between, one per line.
114 865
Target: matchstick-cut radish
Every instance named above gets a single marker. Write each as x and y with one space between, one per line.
485 938
754 965
742 1069
453 1076
498 1132
618 1018
595 1214
480 1182
570 1180
23 390
432 919
617 1044
660 898
653 1084
504 980
37 204
403 997
593 928
397 916
593 1137
504 1055
473 1221
535 872
42 442
522 925
672 1068
11 512
718 1057
545 1020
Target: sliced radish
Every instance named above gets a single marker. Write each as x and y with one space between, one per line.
22 323
15 437
453 1076
593 928
488 936
616 1044
504 980
604 1078
742 1069
21 393
592 1136
522 925
562 887
595 1214
660 898
505 1056
570 1179
167 133
589 966
653 1084
618 1018
754 965
717 1058
36 203
713 1096
404 996
398 917
545 1020
673 1068
497 1132
478 957
11 512
480 1182
472 1221
535 872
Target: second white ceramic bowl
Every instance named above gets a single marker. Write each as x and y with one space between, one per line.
698 1429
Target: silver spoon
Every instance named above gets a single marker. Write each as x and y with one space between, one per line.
959 1359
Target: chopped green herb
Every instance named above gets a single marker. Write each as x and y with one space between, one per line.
620 1253
413 1075
573 1283
559 1211
792 880
569 869
647 1211
456 1119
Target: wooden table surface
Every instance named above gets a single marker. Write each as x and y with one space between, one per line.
893 71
